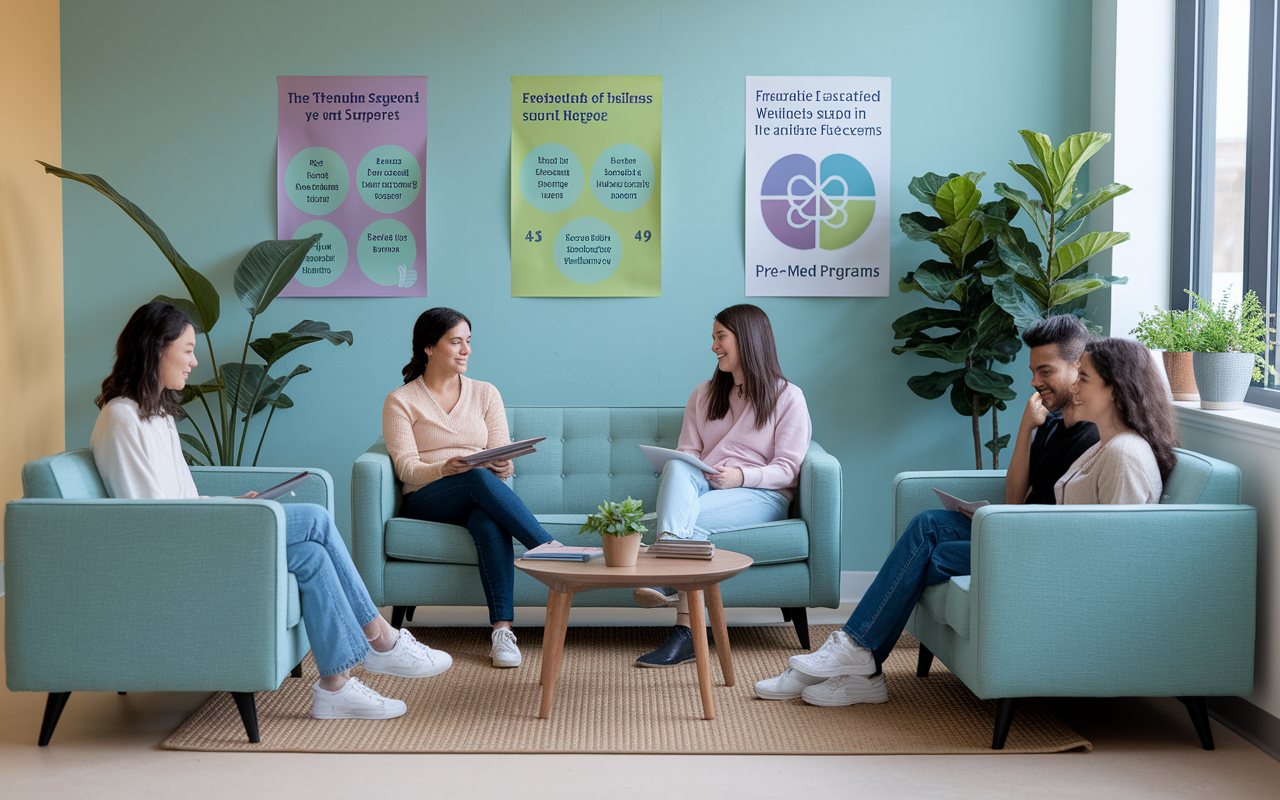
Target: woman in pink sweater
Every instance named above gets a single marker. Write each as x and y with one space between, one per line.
750 423
432 422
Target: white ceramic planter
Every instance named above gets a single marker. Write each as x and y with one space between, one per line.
1222 378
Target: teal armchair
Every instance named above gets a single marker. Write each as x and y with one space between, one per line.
98 591
590 455
1095 601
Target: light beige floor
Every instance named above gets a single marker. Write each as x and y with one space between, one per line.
106 747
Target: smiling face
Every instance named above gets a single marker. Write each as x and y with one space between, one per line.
449 355
725 346
1052 377
1093 397
177 360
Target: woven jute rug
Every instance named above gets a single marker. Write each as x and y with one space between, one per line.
604 704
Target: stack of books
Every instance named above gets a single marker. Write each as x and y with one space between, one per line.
554 551
683 548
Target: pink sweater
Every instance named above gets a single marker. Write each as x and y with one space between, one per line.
769 457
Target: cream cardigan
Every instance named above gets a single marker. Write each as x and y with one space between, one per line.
1124 471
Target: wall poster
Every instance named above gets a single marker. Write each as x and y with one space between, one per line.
586 165
351 154
817 177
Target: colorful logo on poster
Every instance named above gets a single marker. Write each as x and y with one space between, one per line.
807 205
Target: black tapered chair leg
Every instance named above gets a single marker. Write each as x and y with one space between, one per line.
397 615
52 711
248 714
1004 718
1199 711
924 662
409 614
800 618
786 615
121 693
296 672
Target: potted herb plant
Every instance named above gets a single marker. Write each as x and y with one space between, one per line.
1172 332
1229 343
618 525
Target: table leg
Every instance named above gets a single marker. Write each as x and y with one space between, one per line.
698 627
558 604
721 632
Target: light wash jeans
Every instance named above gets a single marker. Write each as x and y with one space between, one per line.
335 604
690 509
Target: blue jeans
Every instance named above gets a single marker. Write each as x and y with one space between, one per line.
690 509
934 547
335 604
492 514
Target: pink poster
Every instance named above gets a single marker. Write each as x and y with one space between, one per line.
350 158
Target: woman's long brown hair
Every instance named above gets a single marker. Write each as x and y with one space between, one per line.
761 374
136 374
1139 395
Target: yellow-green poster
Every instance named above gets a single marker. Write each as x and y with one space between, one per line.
586 156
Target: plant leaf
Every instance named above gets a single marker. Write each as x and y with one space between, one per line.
957 199
986 381
938 280
1072 255
925 188
1032 208
241 385
1022 256
1069 158
959 239
923 319
267 268
935 384
194 391
278 345
1041 150
918 226
1068 290
1089 202
996 445
1017 302
1038 180
194 443
204 297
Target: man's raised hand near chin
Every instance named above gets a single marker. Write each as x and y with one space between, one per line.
1017 481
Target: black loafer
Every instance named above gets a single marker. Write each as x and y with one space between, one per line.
677 649
655 597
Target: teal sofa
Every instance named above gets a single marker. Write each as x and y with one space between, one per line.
591 455
150 595
1095 601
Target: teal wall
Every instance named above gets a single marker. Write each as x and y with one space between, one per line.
175 105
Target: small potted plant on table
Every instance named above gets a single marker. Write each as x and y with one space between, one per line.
620 530
1171 331
1229 343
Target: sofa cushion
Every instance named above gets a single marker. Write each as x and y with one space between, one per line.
1200 479
948 603
72 475
293 613
413 540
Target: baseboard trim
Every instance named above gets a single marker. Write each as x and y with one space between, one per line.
1251 723
854 584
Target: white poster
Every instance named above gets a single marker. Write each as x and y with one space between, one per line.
817 210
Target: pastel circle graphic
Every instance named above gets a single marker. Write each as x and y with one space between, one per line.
551 178
622 178
384 247
316 180
388 179
827 205
587 250
328 257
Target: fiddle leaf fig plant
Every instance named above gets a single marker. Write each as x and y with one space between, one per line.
240 390
616 519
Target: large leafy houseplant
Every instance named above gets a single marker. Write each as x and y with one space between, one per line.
1043 284
240 390
980 334
1226 328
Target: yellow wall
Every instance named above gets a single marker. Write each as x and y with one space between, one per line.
31 356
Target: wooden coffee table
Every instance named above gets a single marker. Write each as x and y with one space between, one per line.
694 577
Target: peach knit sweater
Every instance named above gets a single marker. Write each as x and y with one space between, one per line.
420 437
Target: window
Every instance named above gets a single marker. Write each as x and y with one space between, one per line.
1225 158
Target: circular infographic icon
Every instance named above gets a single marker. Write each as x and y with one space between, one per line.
807 205
622 178
316 180
386 252
328 257
388 179
551 178
587 250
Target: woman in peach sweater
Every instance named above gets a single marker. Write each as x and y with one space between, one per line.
430 424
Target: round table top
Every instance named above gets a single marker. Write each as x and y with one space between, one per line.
676 573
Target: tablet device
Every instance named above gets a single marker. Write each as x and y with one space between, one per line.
282 488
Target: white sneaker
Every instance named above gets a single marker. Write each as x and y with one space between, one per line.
353 701
837 656
503 651
786 686
845 690
409 658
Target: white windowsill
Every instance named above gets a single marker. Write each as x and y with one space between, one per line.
1252 423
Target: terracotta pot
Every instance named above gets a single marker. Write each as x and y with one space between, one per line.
621 551
1182 375
1223 379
